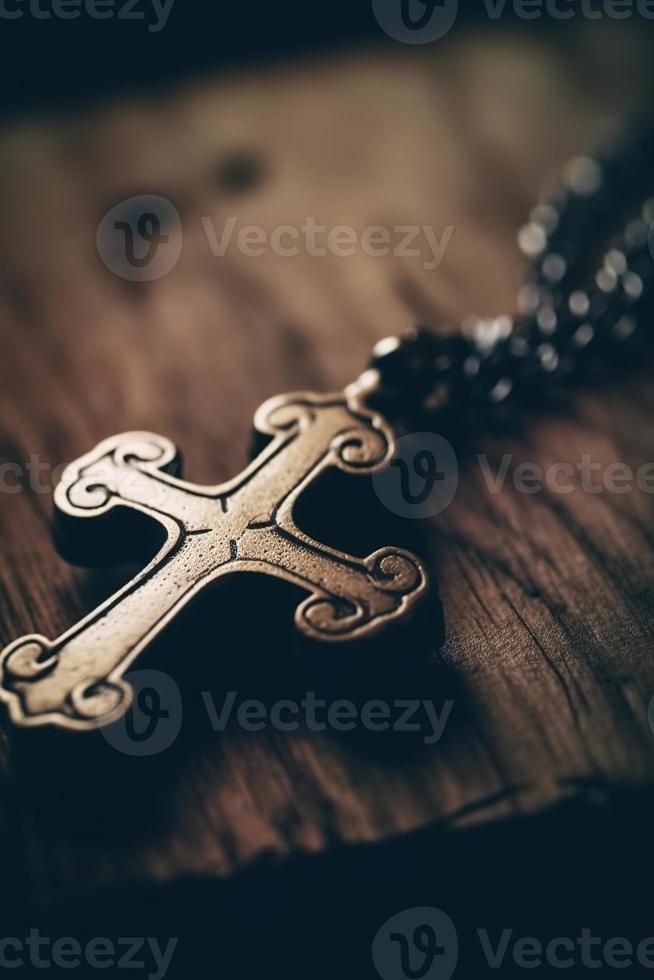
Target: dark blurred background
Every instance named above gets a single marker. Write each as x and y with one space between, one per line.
46 60
52 60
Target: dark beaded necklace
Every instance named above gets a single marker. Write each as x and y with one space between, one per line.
569 324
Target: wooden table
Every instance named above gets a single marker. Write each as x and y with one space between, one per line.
547 597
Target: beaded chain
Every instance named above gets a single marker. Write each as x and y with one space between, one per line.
570 323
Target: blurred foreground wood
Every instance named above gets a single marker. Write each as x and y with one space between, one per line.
547 597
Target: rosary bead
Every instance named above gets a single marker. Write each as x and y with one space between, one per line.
583 176
554 267
404 358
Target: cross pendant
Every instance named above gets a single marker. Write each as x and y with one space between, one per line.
244 525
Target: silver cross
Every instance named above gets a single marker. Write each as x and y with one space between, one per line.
245 525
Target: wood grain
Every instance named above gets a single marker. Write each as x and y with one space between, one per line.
547 597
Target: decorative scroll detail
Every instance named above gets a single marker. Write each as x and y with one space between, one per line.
244 525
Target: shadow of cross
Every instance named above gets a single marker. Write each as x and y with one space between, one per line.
76 681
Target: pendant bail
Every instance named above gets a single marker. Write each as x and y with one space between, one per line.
366 386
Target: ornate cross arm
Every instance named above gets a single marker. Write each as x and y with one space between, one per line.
76 680
350 598
131 470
